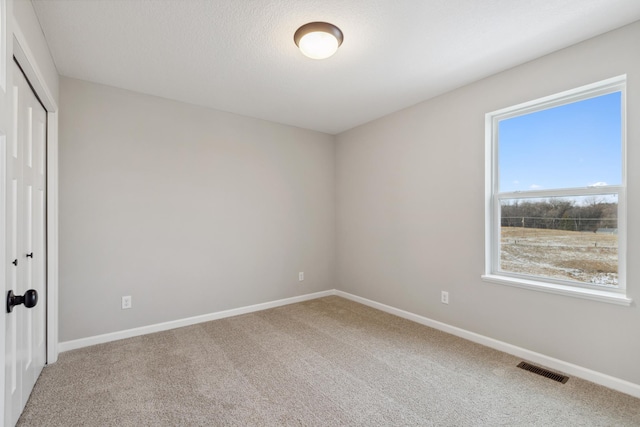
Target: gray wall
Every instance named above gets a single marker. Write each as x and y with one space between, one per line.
410 213
188 210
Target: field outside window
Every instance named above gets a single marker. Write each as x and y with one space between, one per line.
561 238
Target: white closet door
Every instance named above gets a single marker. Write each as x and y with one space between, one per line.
25 348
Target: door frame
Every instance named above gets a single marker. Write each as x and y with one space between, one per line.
13 43
27 61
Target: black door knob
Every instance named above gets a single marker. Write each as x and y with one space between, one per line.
29 299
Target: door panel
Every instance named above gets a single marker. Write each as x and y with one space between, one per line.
15 265
25 352
35 240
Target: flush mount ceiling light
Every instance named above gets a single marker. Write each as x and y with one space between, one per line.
318 40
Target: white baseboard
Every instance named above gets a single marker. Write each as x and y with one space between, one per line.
165 326
549 362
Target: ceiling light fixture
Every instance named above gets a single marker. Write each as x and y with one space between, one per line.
318 40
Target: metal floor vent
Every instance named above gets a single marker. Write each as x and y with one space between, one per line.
545 373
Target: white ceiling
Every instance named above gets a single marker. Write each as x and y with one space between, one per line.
239 55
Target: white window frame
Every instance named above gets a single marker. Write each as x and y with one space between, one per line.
493 197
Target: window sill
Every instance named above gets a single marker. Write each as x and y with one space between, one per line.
590 294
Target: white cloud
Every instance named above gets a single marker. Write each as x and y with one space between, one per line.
516 182
598 184
535 187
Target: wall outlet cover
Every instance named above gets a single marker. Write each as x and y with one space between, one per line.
444 297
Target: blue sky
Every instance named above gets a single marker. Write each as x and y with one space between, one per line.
573 145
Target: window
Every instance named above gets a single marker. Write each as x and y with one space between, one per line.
555 193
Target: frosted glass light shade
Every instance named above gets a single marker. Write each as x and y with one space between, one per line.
318 45
318 40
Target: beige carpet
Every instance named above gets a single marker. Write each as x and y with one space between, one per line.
324 362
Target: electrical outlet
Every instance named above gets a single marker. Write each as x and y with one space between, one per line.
300 276
444 297
126 302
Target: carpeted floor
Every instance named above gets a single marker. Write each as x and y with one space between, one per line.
325 362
